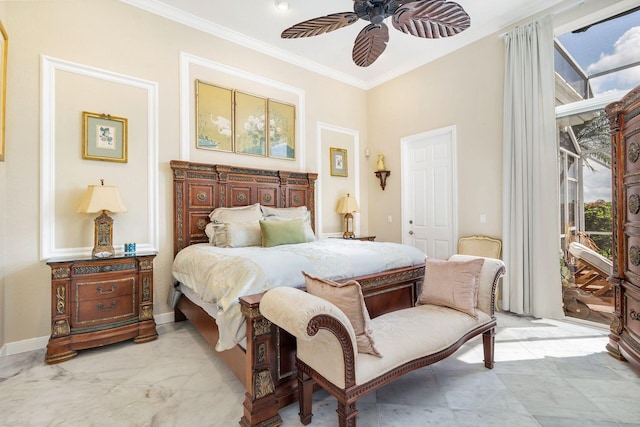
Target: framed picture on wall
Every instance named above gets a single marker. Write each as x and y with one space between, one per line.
214 117
282 130
105 137
3 86
250 124
338 157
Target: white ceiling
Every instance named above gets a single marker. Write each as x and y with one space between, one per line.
258 24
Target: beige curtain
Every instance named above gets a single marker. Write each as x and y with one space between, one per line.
531 244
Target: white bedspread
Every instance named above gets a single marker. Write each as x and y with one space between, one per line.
221 275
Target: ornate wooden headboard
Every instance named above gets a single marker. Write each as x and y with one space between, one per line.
198 188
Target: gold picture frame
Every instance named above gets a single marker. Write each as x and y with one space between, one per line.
4 41
339 163
214 117
104 137
250 124
282 130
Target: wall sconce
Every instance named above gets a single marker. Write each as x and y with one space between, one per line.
102 198
381 171
346 206
382 176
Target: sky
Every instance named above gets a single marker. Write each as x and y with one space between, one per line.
605 46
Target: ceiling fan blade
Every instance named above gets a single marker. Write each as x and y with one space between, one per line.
370 44
321 25
431 19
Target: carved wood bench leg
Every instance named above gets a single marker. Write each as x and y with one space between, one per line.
488 343
305 394
347 414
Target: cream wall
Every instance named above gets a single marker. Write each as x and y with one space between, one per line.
464 89
3 210
114 37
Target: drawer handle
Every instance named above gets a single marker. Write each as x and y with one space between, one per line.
633 315
101 307
106 268
113 288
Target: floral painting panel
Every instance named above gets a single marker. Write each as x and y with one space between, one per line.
214 110
250 124
282 130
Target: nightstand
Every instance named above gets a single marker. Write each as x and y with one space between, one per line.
99 301
363 238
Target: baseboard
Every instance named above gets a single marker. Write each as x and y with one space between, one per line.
32 344
24 346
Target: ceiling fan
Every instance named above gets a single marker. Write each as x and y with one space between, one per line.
430 19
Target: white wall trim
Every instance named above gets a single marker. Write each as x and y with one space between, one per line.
39 343
320 126
187 59
216 30
48 67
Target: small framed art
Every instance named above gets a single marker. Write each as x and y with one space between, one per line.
105 137
214 116
282 130
338 158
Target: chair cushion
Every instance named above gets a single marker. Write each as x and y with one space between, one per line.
348 298
452 284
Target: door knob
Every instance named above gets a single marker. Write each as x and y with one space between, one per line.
411 232
410 221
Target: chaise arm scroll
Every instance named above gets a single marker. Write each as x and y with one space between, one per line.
325 337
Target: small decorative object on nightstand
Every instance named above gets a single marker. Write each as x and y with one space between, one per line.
99 301
346 206
102 198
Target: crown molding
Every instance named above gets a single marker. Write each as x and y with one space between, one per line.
195 22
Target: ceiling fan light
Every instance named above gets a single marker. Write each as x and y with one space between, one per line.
282 4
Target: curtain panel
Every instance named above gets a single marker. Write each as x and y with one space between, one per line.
531 240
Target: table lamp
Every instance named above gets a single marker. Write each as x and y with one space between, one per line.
102 198
346 206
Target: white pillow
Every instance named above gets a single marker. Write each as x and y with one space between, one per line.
243 214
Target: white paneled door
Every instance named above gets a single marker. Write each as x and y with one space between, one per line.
429 201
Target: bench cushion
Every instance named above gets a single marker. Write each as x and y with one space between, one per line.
409 334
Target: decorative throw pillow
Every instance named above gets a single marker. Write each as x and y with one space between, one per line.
452 284
241 235
348 298
285 214
276 233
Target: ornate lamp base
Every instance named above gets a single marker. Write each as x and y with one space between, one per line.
348 227
103 236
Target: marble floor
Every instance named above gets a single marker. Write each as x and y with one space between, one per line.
547 373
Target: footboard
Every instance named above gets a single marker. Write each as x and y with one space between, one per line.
270 378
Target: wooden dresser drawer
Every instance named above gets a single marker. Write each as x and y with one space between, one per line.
632 311
102 311
120 265
109 288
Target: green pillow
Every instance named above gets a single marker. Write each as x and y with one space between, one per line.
276 233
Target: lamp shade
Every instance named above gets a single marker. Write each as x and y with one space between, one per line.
347 204
101 197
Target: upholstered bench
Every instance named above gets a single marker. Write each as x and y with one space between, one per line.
407 339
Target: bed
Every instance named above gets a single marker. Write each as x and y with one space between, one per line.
264 360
